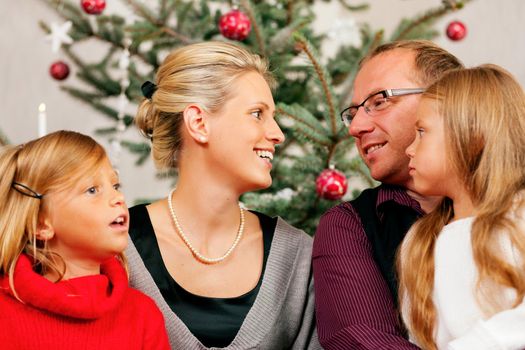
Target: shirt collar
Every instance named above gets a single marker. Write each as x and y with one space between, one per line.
397 194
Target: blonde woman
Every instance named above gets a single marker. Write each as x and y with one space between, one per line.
224 276
63 230
462 267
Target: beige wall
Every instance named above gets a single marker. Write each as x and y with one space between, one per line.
496 34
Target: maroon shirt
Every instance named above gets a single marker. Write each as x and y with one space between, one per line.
354 307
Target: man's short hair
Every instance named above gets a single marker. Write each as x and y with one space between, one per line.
431 61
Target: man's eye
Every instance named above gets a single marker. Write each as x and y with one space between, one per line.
420 131
117 186
379 103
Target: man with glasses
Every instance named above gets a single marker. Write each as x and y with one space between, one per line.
356 242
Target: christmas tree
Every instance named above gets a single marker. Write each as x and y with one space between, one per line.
316 165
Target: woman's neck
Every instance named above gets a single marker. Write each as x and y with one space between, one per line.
206 209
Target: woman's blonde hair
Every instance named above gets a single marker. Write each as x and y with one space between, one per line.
483 111
201 73
52 163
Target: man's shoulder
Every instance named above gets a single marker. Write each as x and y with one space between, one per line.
372 198
368 195
341 229
347 209
344 209
349 213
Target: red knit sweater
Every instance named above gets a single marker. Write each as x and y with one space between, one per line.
91 312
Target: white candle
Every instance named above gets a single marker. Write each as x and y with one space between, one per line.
42 120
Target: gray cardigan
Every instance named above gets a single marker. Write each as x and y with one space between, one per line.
282 316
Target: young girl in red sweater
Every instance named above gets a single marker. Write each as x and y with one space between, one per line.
63 228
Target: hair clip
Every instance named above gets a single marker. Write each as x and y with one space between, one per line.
26 191
148 88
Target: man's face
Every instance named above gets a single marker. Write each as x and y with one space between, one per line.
383 138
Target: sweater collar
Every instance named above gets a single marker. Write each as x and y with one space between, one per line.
87 297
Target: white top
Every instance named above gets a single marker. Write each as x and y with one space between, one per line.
461 323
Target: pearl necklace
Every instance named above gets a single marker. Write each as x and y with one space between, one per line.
195 253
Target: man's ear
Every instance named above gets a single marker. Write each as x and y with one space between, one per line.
44 229
196 122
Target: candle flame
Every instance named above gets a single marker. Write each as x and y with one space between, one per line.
42 107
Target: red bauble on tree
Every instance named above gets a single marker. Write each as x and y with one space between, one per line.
235 25
456 30
93 7
331 184
59 70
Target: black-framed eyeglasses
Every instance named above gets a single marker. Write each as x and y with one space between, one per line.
376 102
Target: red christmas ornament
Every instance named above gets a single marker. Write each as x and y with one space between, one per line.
456 30
331 184
59 70
235 25
93 7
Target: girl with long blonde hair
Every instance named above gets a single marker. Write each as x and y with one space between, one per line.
63 230
462 267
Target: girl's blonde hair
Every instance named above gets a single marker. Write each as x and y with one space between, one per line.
483 111
51 163
201 73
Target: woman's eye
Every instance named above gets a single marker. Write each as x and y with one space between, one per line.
92 190
257 114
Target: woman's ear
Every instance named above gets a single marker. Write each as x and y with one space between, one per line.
44 229
196 122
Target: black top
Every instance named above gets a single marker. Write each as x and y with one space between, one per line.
386 220
214 321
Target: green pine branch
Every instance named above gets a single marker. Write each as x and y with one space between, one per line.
352 59
72 12
256 25
303 126
96 104
141 10
359 7
323 78
141 149
79 33
284 35
419 26
301 115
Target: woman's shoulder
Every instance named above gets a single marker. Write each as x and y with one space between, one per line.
139 221
292 239
138 210
279 226
284 227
